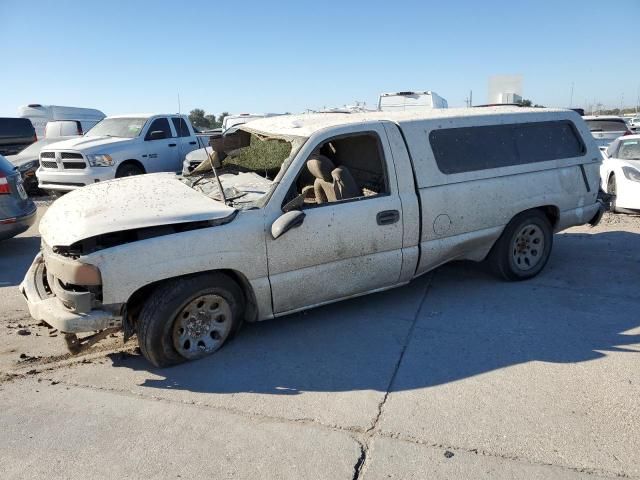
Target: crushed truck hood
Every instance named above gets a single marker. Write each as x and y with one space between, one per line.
126 204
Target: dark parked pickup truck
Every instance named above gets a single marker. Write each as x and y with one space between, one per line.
15 135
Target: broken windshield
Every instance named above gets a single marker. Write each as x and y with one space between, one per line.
246 164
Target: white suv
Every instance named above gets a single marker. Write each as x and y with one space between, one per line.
117 147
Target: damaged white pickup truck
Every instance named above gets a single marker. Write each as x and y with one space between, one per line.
313 209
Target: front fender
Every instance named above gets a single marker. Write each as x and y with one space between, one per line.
238 245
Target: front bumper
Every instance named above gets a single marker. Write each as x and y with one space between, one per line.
66 180
47 307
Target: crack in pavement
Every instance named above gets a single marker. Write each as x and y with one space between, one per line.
361 464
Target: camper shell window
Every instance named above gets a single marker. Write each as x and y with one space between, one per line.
468 149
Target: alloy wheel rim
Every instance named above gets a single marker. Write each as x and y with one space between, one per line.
528 247
202 326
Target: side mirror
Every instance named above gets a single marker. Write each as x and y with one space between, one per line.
286 222
156 135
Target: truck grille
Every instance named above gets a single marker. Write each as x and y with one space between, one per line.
68 155
73 165
52 160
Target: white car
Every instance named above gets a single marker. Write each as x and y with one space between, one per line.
634 124
620 174
116 147
606 128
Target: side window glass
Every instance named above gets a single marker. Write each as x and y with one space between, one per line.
159 129
469 149
343 168
180 126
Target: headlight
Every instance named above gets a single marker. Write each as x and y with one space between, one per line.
28 166
100 160
631 173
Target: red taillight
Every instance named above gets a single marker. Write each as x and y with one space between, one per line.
628 132
4 185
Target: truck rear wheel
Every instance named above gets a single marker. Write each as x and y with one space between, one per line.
189 318
524 247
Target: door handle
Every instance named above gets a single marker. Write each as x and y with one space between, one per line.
172 144
192 143
388 217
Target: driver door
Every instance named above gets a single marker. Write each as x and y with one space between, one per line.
341 248
161 151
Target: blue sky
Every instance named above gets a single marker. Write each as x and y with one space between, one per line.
132 56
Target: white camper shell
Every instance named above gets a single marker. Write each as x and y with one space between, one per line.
401 101
315 208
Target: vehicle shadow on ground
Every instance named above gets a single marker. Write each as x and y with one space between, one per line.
16 255
469 323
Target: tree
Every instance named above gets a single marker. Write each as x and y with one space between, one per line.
197 119
213 123
221 117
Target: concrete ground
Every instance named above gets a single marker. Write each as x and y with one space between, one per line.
458 375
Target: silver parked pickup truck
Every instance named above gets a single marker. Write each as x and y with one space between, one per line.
306 210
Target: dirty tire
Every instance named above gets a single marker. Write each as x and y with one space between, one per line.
156 325
524 247
128 170
612 191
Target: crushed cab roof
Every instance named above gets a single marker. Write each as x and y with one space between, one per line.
304 125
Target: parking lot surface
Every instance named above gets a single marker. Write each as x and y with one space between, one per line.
458 375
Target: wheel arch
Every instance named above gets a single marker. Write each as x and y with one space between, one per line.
134 304
132 161
551 212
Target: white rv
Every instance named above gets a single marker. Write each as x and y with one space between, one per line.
40 115
398 101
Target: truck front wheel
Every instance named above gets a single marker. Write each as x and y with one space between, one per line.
189 318
128 170
524 247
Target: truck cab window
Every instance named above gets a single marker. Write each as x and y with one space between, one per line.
343 168
159 124
180 126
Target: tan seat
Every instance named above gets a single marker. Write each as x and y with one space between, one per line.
331 184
